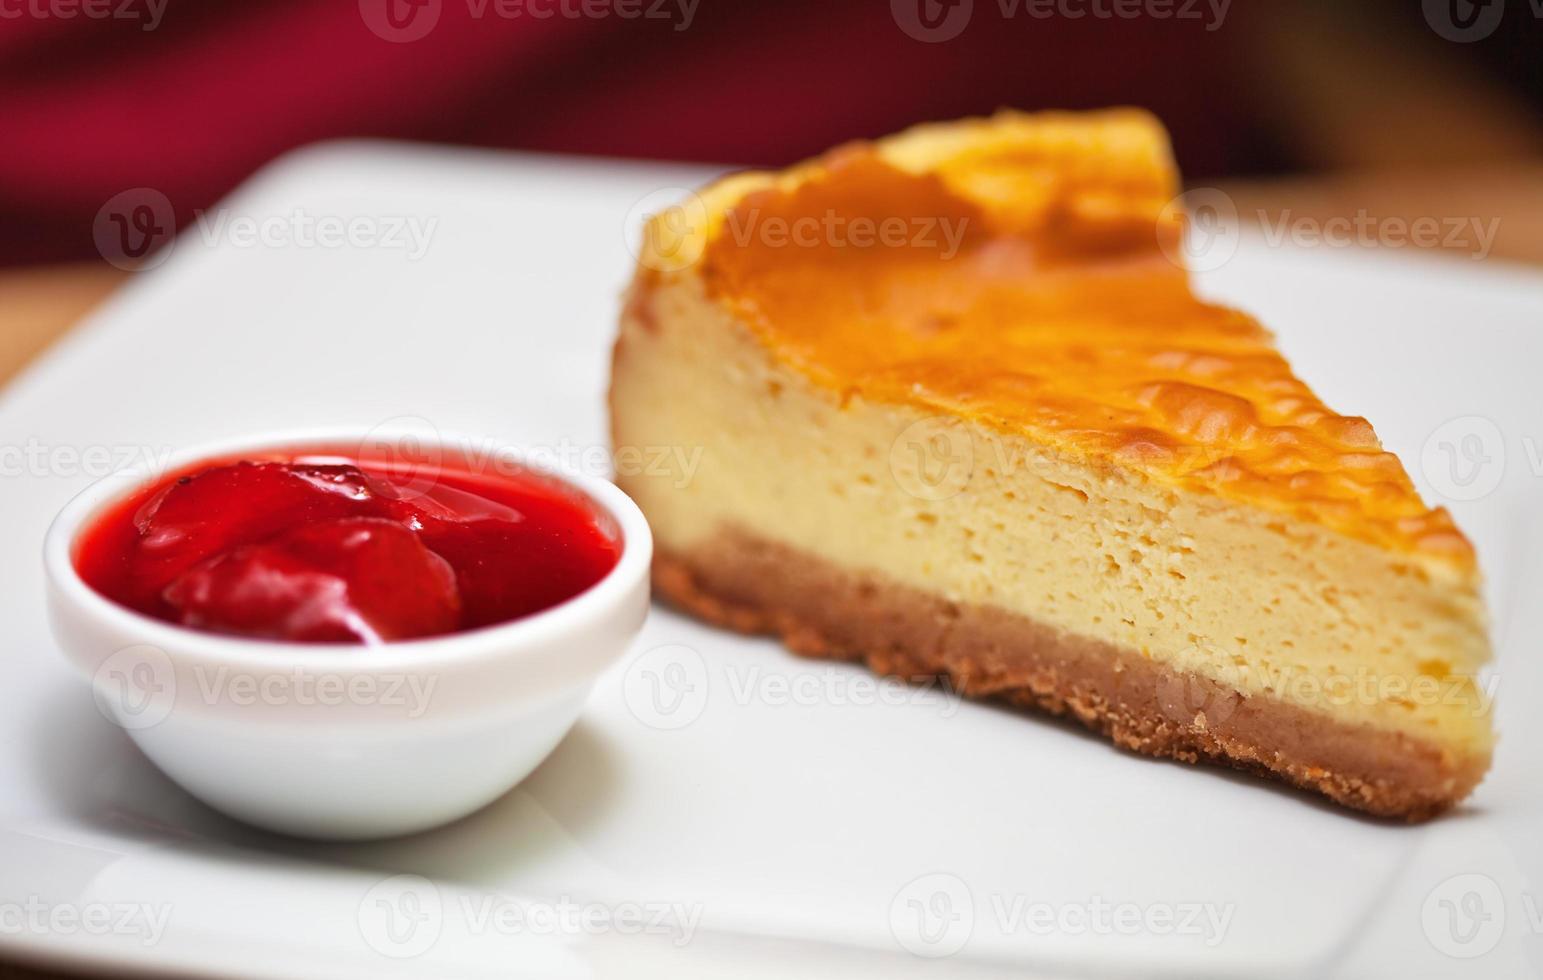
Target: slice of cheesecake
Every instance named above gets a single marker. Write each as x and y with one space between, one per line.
946 403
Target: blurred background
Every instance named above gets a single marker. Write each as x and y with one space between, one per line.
1315 108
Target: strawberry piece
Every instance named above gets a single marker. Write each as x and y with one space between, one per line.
212 512
352 580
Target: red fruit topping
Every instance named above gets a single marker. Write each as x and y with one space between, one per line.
338 552
359 580
206 514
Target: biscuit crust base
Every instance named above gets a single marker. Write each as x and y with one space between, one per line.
821 610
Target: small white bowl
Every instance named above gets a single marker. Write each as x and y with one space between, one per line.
339 741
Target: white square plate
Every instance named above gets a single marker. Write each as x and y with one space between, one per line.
791 825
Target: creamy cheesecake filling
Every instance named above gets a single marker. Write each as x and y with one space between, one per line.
759 585
1261 602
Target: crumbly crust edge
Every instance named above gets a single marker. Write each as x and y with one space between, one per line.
818 609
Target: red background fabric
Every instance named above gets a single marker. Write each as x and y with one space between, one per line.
93 105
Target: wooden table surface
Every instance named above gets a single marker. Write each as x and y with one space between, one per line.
37 306
40 304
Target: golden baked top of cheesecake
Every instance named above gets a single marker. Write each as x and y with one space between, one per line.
1022 271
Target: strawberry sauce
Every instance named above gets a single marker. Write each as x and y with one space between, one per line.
333 549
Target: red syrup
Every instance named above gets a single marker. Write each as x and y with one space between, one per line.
317 548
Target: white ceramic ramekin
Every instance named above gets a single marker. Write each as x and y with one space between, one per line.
346 742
